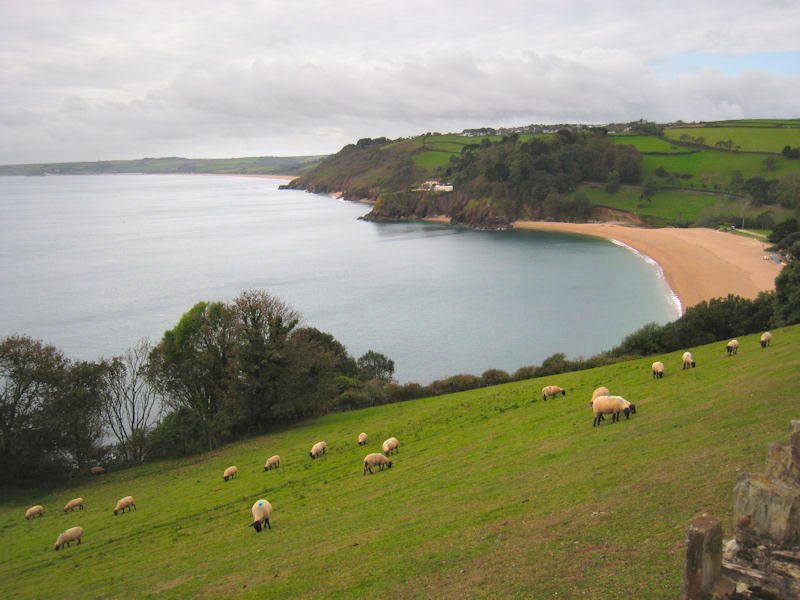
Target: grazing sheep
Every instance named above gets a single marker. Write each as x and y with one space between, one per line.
230 473
658 370
552 391
261 512
732 347
391 445
688 360
766 338
601 391
123 503
73 504
34 511
97 470
362 439
69 536
273 462
613 405
317 450
375 460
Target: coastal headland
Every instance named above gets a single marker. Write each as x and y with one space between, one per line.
699 264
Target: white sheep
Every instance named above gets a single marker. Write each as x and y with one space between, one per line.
273 462
601 391
317 450
613 405
69 536
375 460
123 503
732 347
34 511
551 391
766 338
391 445
97 470
688 360
362 439
230 473
261 510
658 369
73 504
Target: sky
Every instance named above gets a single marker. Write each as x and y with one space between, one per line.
84 80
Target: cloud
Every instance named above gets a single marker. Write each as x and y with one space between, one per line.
81 82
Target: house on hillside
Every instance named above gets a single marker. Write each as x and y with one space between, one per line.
434 185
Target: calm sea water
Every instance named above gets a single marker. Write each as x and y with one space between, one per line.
93 263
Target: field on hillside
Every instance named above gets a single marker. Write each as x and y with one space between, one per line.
495 493
651 144
749 139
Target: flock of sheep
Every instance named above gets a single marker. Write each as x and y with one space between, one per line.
602 403
261 510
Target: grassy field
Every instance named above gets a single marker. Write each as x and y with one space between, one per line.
749 139
651 144
494 493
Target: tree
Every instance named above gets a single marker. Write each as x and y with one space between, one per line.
373 365
612 182
130 401
787 295
193 367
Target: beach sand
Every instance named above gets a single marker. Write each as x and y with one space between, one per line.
699 264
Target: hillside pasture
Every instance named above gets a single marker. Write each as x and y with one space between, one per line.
748 139
650 144
494 493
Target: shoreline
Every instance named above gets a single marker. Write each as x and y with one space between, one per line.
698 264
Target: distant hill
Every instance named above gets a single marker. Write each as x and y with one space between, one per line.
258 165
732 172
494 494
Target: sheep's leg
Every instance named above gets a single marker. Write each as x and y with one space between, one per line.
266 521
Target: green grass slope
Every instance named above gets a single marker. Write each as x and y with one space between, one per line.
495 493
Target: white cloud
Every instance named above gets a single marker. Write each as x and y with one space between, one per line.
79 81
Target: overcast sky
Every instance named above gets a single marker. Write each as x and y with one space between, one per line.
111 79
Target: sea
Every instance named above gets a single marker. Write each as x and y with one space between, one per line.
92 264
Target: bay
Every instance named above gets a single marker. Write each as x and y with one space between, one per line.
93 263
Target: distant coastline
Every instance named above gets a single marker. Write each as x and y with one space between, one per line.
698 264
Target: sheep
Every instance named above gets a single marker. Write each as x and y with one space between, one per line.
362 439
317 450
766 338
391 445
69 536
688 360
74 503
230 473
34 511
273 462
261 512
552 391
658 370
732 347
123 503
613 405
97 470
375 459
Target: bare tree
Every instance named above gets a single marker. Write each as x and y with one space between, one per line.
132 402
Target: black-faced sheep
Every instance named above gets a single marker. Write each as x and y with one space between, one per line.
766 338
261 510
230 473
391 445
732 347
658 370
551 391
688 360
375 460
613 405
317 450
73 504
69 536
123 503
34 511
273 462
362 439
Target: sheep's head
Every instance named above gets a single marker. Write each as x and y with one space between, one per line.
633 408
115 512
257 525
389 464
57 547
563 392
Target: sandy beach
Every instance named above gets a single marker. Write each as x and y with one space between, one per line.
698 264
